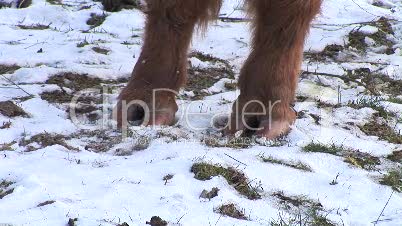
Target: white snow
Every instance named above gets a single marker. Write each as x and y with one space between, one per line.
106 189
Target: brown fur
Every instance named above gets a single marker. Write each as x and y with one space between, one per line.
269 74
163 61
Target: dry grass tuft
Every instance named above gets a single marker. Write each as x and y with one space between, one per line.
237 179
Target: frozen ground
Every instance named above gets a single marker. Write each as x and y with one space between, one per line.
340 165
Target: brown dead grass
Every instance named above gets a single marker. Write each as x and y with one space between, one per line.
237 179
231 210
45 140
10 109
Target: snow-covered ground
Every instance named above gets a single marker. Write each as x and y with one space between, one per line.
86 172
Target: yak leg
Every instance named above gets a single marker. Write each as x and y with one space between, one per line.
268 79
149 97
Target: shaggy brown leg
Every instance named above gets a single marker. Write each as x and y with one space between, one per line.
163 61
269 77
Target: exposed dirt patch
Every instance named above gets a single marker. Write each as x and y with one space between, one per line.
9 109
7 146
76 82
101 50
357 38
362 160
56 96
87 101
96 20
98 140
230 86
6 125
321 148
373 103
200 79
117 5
54 2
330 52
45 140
385 27
85 108
375 82
8 69
157 221
305 211
46 203
396 156
20 4
142 143
231 210
5 188
34 26
395 100
382 130
85 105
23 98
237 179
393 179
86 91
295 201
235 143
103 145
82 43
